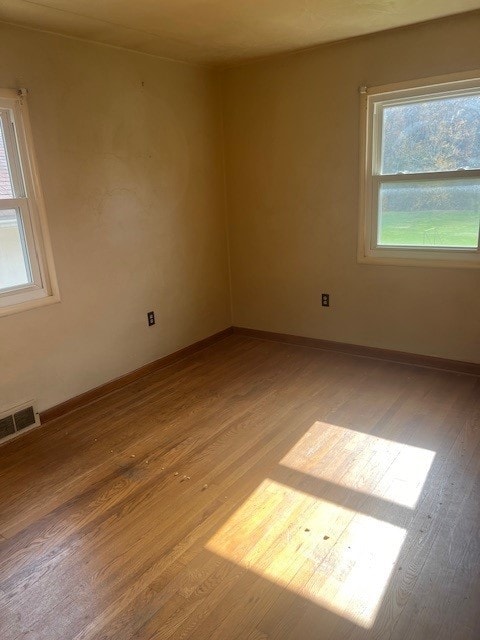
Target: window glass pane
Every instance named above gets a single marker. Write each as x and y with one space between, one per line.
6 188
14 265
433 135
429 214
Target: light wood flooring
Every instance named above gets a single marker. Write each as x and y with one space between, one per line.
253 491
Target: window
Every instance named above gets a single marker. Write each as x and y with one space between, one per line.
420 189
27 276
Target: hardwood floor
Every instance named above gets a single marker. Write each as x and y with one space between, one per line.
253 491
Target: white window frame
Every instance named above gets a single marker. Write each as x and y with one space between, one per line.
373 100
28 200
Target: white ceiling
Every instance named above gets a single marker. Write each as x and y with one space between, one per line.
222 31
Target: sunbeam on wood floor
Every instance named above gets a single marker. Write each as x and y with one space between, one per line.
254 491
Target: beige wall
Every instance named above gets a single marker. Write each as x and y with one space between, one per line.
292 135
130 154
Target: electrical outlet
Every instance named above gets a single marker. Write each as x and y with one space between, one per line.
325 299
151 318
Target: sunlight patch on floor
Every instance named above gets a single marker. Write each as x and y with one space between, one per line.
299 533
335 557
383 468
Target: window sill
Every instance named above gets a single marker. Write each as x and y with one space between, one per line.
424 258
29 304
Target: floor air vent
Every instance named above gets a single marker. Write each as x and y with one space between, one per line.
7 426
17 419
24 418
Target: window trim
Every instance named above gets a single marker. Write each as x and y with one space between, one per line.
29 200
368 250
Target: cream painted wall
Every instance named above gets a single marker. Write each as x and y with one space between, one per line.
130 154
292 137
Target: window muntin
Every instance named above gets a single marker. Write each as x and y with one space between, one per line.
421 174
26 266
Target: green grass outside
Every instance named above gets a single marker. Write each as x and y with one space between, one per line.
430 228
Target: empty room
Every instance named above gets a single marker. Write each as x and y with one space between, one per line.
239 320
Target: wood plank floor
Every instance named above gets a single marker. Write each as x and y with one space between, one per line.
253 491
